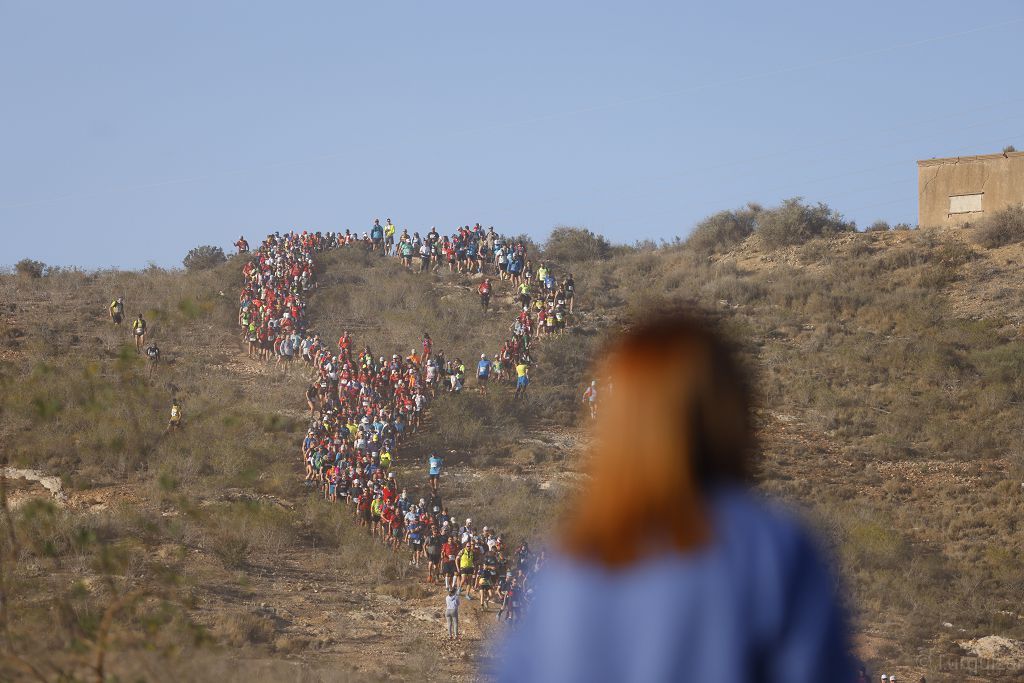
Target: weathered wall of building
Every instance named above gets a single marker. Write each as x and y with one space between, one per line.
965 189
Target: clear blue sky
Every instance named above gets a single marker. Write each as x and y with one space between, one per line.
132 131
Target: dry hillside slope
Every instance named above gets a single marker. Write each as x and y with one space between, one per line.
889 367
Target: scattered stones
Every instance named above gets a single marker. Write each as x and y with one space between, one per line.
1004 651
50 483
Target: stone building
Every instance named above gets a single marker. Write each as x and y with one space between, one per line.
962 190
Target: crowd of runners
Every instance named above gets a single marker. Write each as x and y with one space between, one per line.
363 406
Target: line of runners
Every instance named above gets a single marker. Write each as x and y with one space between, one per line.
364 406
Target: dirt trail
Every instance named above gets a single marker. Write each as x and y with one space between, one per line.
373 630
342 615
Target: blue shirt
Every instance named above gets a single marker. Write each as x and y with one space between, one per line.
435 465
483 368
756 604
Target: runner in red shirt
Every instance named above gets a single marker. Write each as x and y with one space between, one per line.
485 293
428 346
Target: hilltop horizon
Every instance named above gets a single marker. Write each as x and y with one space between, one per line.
142 131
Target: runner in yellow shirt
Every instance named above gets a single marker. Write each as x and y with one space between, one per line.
175 421
139 330
522 379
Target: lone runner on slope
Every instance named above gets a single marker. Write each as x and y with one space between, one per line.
434 462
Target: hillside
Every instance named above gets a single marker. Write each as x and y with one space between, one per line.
889 366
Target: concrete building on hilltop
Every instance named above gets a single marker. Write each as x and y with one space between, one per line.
962 190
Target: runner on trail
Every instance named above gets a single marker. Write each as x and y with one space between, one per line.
524 294
364 405
451 613
485 294
176 416
376 235
488 576
389 237
434 463
522 379
433 551
511 602
483 373
117 310
466 569
590 398
449 568
569 288
153 354
139 331
312 399
406 249
428 347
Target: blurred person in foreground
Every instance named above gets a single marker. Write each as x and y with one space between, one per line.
668 568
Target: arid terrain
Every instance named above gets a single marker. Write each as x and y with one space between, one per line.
890 372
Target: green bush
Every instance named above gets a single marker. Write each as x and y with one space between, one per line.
204 257
27 267
1002 228
879 226
576 245
794 222
723 230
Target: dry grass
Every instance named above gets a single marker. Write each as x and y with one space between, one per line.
889 417
1002 228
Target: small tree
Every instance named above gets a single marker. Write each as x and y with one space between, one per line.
879 226
204 257
1002 228
568 245
794 222
1008 149
27 267
723 230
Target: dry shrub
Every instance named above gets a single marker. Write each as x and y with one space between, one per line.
570 245
30 268
247 628
723 230
1002 228
204 257
855 341
794 222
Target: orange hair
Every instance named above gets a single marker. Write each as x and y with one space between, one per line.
675 419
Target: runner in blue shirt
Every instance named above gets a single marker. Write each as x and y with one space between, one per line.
376 234
483 373
435 469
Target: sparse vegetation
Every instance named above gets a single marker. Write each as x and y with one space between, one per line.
30 268
723 230
794 222
1001 228
203 257
889 370
576 245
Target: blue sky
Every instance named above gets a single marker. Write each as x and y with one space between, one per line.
132 131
